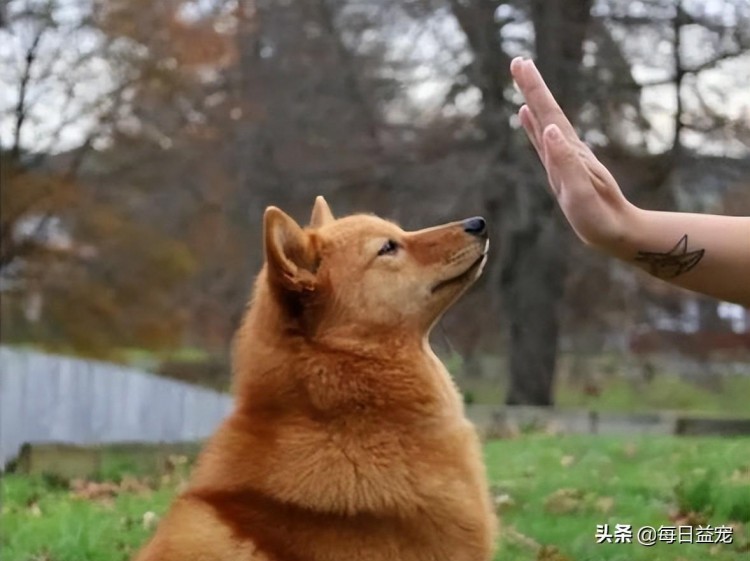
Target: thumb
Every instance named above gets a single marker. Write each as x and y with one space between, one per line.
563 163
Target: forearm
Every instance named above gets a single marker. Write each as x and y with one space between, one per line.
704 253
701 252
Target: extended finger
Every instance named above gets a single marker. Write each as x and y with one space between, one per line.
539 98
564 165
532 128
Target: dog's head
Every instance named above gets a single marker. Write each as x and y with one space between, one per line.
366 273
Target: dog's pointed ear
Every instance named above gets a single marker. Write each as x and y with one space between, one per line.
321 213
290 254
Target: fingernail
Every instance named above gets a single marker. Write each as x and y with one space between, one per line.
554 133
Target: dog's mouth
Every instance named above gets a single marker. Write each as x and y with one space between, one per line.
458 279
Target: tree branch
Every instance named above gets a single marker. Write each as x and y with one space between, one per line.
21 109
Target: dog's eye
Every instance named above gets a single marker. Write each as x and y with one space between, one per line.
389 248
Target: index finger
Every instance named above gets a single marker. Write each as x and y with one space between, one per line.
539 98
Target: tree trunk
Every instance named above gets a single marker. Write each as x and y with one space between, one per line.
532 284
532 239
535 262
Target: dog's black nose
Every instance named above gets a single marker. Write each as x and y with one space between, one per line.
475 226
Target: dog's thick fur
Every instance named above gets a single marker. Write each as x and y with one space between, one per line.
348 440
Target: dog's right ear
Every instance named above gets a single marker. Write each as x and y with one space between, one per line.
290 255
321 213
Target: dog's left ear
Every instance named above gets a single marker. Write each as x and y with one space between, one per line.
321 213
290 253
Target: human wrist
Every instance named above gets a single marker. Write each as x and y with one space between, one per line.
632 222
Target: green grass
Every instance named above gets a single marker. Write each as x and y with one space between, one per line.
44 523
618 394
553 490
637 481
663 393
625 383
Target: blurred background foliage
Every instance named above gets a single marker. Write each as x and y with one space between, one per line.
142 140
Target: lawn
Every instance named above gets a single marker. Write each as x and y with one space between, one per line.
551 493
619 391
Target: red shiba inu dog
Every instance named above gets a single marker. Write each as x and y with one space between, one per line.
348 440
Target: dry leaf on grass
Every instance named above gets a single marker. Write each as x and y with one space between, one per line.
130 484
741 475
104 492
93 490
34 510
514 536
551 553
605 504
630 449
567 461
503 502
150 520
564 501
688 518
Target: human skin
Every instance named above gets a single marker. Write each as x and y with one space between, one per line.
700 252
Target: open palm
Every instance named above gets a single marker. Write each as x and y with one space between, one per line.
585 190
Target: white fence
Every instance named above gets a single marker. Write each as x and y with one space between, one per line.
48 398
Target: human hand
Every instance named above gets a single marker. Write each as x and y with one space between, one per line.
587 193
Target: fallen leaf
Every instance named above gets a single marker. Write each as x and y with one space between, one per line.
741 475
104 492
564 501
34 510
514 536
605 504
550 553
150 520
503 502
688 518
130 484
630 450
567 461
